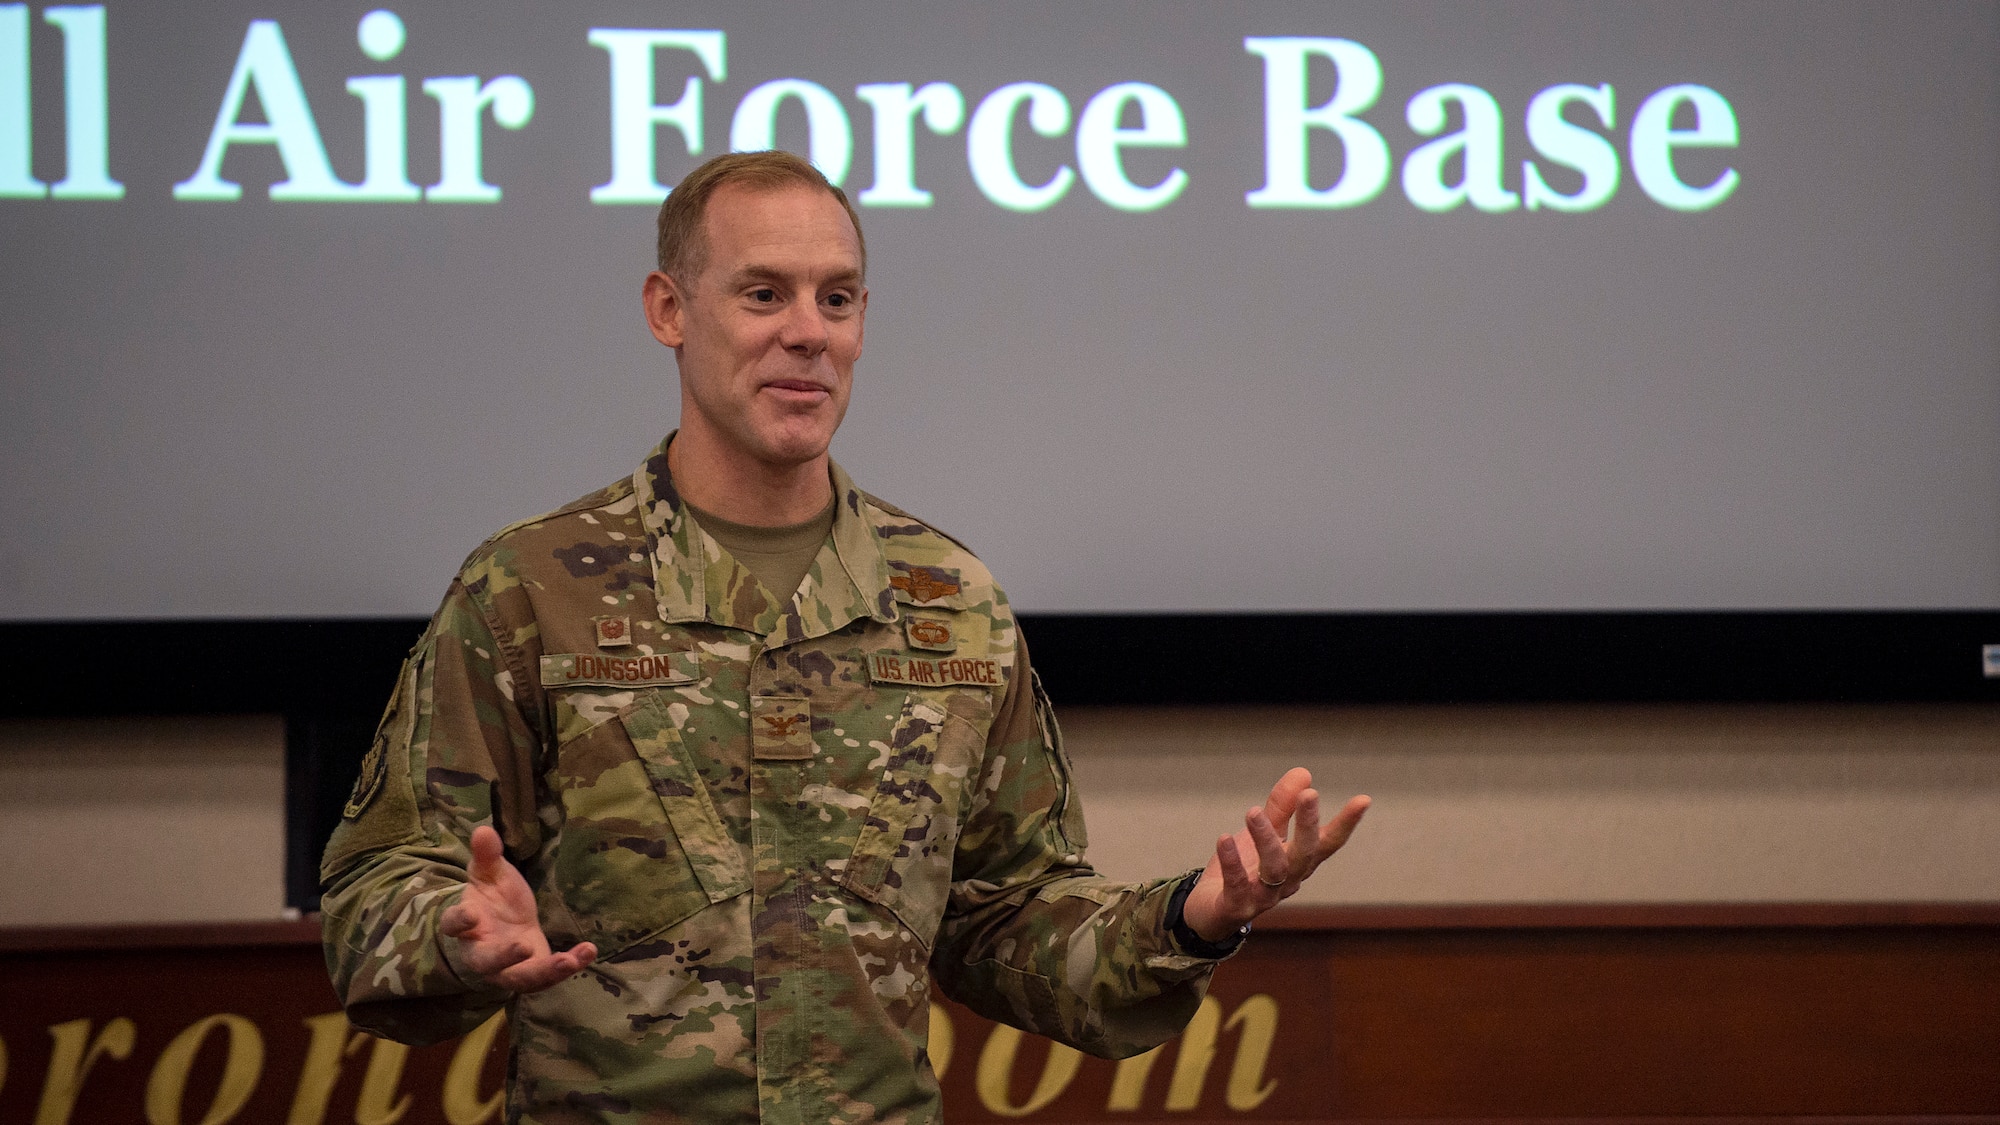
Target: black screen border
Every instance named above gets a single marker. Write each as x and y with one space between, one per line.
330 678
348 665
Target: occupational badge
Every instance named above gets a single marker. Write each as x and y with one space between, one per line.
613 631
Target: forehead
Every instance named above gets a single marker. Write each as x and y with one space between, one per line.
792 228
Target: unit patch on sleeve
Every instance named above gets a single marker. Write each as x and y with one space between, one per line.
374 768
920 671
578 669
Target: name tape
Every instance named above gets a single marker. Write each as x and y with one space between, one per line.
572 670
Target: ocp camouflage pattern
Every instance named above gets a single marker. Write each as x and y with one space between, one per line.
778 819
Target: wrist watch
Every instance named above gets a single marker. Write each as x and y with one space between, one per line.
1191 943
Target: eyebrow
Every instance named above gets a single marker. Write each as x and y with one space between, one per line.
755 272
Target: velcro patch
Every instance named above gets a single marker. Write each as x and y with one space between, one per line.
374 768
930 632
613 632
578 669
923 584
921 671
781 728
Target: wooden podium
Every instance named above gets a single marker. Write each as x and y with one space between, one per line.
1459 1014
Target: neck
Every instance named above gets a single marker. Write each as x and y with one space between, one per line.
745 490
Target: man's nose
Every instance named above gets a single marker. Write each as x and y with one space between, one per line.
804 330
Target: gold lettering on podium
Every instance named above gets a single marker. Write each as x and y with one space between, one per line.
940 1040
245 1064
1128 1082
1195 1054
462 1103
1247 1088
379 1103
996 1066
321 1070
75 1052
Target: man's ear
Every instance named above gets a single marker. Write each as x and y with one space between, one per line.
664 307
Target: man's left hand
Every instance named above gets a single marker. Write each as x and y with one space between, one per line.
1279 847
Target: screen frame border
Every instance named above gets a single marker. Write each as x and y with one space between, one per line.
329 678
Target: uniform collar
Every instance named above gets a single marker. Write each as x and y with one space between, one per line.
692 577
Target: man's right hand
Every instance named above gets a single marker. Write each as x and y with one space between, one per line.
495 922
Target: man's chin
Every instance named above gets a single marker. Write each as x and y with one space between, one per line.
798 437
793 449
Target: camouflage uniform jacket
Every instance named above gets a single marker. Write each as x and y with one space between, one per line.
776 820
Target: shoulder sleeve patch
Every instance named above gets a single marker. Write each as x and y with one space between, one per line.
374 768
382 809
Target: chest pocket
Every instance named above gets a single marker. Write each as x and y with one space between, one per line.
641 847
903 857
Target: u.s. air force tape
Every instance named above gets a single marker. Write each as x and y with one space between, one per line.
951 671
599 670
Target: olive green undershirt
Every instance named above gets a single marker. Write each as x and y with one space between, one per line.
778 556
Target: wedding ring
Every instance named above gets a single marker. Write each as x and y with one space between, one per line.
1268 883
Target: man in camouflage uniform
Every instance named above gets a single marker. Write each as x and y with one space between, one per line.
709 843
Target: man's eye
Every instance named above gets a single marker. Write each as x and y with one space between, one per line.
764 296
838 300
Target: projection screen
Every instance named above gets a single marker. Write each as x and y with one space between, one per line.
1175 307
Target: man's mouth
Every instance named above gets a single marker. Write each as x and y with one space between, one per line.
797 387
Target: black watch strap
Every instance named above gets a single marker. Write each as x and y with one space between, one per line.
1191 943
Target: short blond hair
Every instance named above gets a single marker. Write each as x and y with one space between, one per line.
683 239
